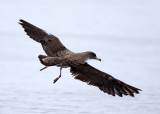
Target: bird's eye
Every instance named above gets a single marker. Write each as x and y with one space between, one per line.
94 55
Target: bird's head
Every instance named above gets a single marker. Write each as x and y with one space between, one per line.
92 55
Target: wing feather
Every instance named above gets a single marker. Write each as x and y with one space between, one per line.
50 43
103 81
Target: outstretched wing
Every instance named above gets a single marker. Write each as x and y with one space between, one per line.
103 81
50 43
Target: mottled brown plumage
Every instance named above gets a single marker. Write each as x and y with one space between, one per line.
72 59
59 55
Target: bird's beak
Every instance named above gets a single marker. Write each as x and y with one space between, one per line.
98 59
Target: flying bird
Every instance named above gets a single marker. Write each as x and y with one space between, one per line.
58 55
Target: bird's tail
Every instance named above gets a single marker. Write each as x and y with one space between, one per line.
41 57
48 61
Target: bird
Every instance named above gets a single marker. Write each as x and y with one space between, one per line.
58 55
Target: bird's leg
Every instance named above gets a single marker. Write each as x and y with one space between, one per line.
44 68
55 80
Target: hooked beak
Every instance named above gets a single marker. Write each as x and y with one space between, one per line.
98 59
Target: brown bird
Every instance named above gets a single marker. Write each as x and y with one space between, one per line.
58 55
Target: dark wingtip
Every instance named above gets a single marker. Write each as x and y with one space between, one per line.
21 21
139 90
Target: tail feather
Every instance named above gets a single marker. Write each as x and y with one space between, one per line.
41 57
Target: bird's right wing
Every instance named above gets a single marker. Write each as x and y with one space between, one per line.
50 43
103 81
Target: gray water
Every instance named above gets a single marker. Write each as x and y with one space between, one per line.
124 34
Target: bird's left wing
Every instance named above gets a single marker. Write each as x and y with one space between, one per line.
50 43
103 81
